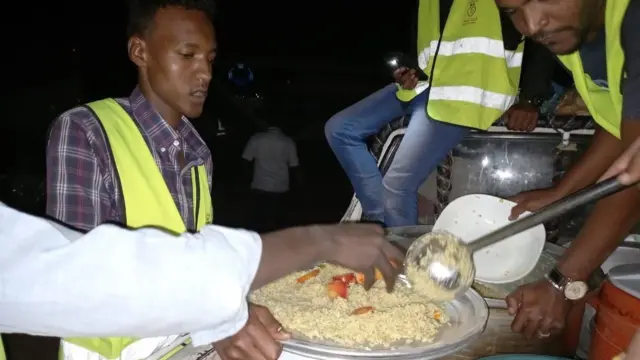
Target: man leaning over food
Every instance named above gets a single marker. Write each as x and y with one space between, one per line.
597 41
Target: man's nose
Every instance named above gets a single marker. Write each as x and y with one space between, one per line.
535 20
205 72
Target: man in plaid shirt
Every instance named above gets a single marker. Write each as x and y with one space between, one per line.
173 45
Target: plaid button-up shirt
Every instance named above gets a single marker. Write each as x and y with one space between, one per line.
81 179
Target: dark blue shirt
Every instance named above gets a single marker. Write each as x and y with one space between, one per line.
630 34
594 59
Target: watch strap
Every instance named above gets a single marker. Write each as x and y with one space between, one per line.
557 279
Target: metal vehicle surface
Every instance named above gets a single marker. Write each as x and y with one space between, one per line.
498 162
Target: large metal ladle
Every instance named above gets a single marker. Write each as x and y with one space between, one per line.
424 252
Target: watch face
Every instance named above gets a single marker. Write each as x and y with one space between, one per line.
576 290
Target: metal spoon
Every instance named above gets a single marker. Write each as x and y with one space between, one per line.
450 277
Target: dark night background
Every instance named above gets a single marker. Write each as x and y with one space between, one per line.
309 59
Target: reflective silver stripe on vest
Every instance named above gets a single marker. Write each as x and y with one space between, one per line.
478 45
474 95
470 45
139 350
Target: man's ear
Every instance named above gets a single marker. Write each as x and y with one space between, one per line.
137 49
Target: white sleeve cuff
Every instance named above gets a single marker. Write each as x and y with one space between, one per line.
248 251
230 328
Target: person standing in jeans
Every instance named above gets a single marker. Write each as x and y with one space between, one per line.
474 83
273 156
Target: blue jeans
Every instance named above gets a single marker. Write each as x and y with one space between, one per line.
394 199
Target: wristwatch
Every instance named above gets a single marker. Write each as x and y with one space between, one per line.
572 290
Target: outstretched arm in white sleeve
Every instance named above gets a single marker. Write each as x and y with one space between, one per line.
113 281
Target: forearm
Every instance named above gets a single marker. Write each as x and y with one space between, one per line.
612 218
608 224
117 282
604 149
286 251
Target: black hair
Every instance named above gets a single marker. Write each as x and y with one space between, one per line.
142 12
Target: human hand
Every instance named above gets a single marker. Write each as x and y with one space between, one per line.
539 309
627 166
361 247
522 117
257 340
533 201
407 78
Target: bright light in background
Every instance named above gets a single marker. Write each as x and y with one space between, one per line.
503 174
500 174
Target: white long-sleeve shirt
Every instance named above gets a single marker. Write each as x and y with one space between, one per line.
118 282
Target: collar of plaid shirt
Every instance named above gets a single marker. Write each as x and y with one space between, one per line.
161 135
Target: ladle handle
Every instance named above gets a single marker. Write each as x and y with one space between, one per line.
560 207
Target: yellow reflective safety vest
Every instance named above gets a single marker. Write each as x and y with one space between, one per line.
147 202
475 80
605 105
2 354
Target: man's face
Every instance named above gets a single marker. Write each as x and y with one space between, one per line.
178 50
560 25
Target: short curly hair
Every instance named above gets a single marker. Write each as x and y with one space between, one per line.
142 12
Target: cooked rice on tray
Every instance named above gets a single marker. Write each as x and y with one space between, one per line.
330 304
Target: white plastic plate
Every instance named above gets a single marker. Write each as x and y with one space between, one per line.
472 216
